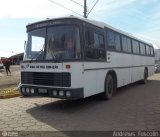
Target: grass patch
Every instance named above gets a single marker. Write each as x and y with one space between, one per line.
9 93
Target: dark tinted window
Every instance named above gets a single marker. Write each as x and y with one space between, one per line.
135 46
113 40
63 43
98 41
142 49
152 51
148 52
126 44
95 48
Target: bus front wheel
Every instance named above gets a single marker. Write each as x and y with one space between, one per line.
109 87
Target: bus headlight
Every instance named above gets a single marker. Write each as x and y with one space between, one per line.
61 93
32 90
68 93
23 90
27 90
54 92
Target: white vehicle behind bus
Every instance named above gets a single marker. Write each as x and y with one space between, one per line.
102 60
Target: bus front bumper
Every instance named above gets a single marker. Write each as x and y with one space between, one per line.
62 93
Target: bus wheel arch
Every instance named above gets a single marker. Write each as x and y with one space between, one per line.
110 84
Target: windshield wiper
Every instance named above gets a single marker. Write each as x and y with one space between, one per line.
39 53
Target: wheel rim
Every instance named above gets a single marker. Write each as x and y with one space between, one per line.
110 87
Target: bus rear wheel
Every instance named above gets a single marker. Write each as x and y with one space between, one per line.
109 87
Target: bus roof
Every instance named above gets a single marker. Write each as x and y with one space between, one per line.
98 24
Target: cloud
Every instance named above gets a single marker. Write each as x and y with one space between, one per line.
35 8
45 8
141 18
10 46
152 37
111 8
133 16
152 29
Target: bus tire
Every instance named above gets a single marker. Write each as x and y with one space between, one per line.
109 87
145 76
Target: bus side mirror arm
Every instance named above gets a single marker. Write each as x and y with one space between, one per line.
25 43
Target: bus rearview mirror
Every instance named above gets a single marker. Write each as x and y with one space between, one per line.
25 43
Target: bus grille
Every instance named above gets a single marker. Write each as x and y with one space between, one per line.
46 79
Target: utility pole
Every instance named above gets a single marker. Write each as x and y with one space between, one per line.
84 6
85 9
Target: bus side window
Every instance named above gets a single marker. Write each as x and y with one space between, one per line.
113 41
90 38
142 49
135 46
147 50
95 45
152 51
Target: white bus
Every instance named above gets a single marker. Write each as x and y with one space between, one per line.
101 59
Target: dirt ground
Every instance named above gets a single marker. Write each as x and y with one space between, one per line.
10 82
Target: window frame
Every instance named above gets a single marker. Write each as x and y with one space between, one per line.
107 41
138 42
121 46
144 48
99 31
127 44
128 37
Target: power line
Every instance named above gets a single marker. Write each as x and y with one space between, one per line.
85 7
65 7
77 3
93 7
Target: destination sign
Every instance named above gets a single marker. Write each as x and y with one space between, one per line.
43 24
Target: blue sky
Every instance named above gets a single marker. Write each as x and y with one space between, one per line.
138 17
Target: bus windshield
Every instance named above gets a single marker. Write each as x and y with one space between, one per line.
53 43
